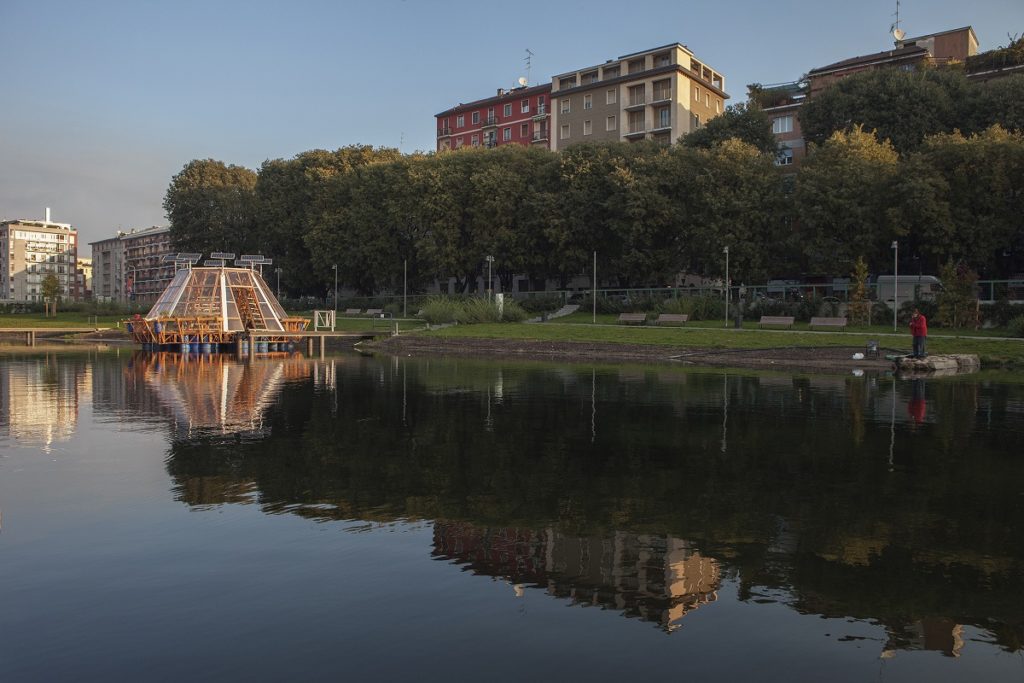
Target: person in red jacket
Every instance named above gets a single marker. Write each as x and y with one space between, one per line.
919 330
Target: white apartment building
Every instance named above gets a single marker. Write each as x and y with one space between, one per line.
30 250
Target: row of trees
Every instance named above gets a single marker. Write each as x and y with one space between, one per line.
649 211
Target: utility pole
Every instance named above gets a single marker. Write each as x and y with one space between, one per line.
895 281
335 288
594 297
405 288
726 252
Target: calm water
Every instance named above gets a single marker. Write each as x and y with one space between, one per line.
361 518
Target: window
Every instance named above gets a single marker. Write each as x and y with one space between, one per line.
569 82
564 133
718 106
782 124
458 142
664 118
784 157
696 121
590 77
696 93
611 72
586 128
540 101
461 121
508 109
588 101
506 134
476 117
636 95
566 107
707 100
524 130
662 60
611 96
636 65
609 124
524 107
475 141
662 89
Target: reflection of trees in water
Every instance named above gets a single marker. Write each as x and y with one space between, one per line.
795 501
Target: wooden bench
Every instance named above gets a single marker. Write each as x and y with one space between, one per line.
353 311
375 312
630 318
780 320
828 322
672 318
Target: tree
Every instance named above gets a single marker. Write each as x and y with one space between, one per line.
899 106
292 196
51 292
958 301
1000 102
860 306
211 207
743 121
843 194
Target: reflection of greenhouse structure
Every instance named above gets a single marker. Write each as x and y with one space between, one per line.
215 394
215 306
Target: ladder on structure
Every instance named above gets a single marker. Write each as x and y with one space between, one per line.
248 308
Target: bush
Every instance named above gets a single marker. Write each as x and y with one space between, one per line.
1000 313
1016 326
697 307
438 310
544 303
604 304
928 309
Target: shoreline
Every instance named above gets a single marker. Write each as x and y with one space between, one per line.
836 359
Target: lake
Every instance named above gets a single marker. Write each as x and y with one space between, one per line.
200 518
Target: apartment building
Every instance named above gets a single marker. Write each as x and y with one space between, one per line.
782 101
659 94
85 276
130 266
520 116
31 250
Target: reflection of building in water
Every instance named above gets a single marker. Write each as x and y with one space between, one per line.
39 399
214 393
937 634
655 578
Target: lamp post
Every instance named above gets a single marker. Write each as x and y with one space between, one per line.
895 281
335 268
726 252
490 260
593 299
278 271
405 288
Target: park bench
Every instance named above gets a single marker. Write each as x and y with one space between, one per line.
779 320
672 318
828 322
375 312
630 318
353 311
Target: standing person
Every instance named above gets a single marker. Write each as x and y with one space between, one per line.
919 330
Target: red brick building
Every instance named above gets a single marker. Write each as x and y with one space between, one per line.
521 116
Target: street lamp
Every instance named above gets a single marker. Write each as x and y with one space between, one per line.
490 260
335 267
278 271
895 281
726 252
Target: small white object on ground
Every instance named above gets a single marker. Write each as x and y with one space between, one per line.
858 356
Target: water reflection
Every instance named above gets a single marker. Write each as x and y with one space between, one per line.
655 578
643 491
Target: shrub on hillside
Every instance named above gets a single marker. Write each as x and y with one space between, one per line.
544 303
438 310
1016 326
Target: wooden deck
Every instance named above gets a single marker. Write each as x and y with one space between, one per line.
30 333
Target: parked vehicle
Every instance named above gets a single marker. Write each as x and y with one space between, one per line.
907 288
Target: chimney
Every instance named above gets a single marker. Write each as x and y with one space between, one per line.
47 219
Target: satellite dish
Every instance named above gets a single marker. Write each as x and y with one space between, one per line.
522 81
898 33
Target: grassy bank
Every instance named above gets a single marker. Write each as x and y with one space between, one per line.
992 351
88 321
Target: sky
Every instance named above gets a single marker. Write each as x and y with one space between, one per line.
104 101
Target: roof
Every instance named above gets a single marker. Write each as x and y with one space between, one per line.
514 94
631 54
943 33
911 51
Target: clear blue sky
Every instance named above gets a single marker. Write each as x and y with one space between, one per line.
104 101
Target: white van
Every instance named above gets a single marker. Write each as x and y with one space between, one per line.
908 288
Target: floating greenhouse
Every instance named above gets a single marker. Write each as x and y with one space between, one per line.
215 306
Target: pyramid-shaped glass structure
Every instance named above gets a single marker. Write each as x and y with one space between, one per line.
238 298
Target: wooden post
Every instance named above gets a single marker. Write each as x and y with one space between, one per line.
323 345
309 346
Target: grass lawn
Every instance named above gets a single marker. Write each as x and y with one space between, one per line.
991 351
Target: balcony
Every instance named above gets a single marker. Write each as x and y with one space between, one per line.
444 132
662 96
540 135
636 103
490 121
636 130
490 144
542 111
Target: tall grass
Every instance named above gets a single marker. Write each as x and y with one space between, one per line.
438 310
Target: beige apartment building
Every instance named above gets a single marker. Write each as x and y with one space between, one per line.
659 94
31 250
130 266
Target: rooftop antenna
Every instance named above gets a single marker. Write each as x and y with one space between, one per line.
897 33
528 60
